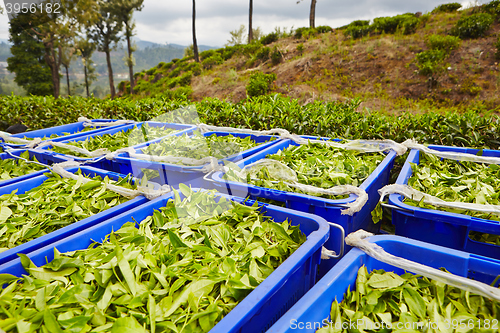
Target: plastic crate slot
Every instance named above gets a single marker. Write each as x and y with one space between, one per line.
483 237
288 304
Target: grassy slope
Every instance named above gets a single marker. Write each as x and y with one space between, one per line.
380 69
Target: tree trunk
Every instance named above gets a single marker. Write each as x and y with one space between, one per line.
130 65
86 79
110 73
250 30
51 60
312 14
55 81
67 79
195 44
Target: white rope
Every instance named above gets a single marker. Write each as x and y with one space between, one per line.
416 195
95 153
278 170
412 144
30 143
367 146
357 239
128 193
89 123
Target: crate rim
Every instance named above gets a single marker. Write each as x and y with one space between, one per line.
405 174
317 201
267 288
176 167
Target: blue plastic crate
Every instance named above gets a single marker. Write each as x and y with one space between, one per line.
315 306
30 183
326 208
263 306
439 227
108 164
64 132
44 158
174 174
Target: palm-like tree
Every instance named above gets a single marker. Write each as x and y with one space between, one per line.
195 44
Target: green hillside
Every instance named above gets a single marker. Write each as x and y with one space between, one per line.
447 57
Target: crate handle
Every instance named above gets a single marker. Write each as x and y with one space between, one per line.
331 254
406 210
209 179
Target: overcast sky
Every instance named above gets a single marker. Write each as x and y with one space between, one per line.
169 21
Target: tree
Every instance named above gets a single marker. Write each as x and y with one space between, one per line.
237 36
85 48
67 55
195 44
312 12
59 30
124 10
105 32
27 61
250 30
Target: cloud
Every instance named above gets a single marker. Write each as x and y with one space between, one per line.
162 21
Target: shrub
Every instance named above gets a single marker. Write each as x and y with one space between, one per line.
250 49
492 8
446 43
472 26
276 56
299 31
359 23
195 67
406 22
168 65
172 82
300 48
174 73
309 33
409 25
229 51
263 53
358 31
470 87
429 62
185 79
151 71
447 8
269 38
175 60
323 29
260 84
214 60
497 45
207 54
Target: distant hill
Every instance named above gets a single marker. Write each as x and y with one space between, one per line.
4 50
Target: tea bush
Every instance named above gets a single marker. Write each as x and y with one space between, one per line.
446 43
429 62
358 31
447 8
492 8
471 128
263 53
473 26
260 84
390 24
214 60
269 38
324 29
